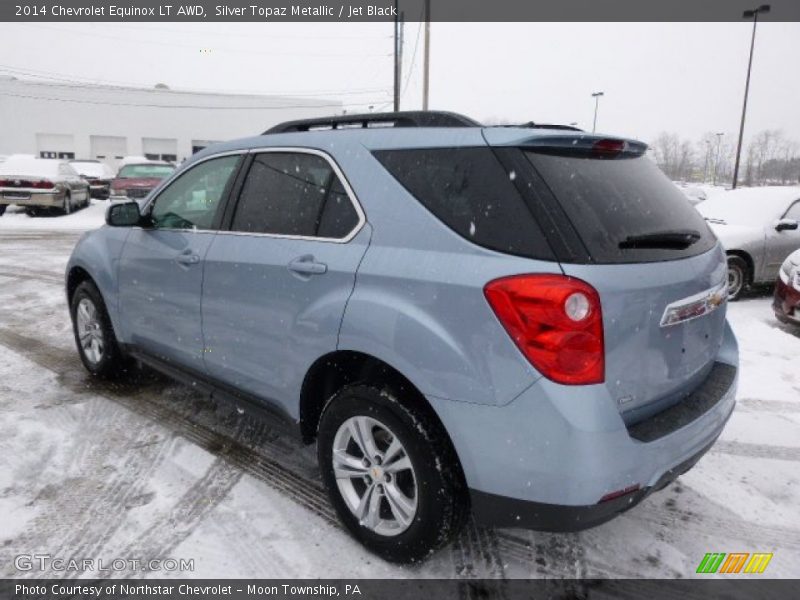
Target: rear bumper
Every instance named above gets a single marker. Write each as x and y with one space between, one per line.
39 199
501 511
547 459
786 303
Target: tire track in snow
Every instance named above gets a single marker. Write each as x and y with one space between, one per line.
757 450
775 406
183 517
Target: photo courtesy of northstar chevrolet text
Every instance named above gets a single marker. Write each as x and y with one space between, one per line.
378 300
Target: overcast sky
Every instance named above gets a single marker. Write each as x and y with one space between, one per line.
686 78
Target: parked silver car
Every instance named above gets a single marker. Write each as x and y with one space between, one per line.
41 184
759 229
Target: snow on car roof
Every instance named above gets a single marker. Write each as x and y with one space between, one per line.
92 168
747 206
30 167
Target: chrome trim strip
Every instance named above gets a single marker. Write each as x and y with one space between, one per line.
362 218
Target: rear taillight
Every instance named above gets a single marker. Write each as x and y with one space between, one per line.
608 148
43 185
555 321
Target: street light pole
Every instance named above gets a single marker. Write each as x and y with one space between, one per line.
764 8
596 96
716 161
705 163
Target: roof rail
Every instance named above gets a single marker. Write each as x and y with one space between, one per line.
415 118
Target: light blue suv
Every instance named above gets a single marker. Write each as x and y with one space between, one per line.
523 322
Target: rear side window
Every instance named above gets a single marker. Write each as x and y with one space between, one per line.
290 193
624 209
470 192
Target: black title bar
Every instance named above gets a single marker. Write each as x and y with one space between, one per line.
242 11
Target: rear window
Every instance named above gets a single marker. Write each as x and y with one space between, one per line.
145 171
624 209
470 192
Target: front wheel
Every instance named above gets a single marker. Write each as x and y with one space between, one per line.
737 277
389 473
94 334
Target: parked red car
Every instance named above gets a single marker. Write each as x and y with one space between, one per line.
787 290
136 180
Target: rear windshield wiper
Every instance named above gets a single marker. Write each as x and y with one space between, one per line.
674 240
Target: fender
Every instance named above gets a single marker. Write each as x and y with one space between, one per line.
419 332
98 253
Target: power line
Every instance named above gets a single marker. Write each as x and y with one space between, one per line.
76 82
139 41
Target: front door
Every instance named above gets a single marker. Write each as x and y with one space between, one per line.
781 244
161 268
276 285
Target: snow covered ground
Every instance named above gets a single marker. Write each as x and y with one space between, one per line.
153 470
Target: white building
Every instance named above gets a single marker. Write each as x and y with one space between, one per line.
66 120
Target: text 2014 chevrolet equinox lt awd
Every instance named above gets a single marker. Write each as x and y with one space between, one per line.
527 323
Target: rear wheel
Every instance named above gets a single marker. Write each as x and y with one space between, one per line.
32 211
94 334
737 277
389 473
66 207
2 209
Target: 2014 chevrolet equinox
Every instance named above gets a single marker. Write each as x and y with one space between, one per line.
525 322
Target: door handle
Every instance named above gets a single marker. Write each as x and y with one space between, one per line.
187 257
306 265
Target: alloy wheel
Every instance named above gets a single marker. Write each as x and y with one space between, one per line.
90 331
375 476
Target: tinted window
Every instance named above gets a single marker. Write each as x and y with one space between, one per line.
468 190
191 201
294 194
613 202
339 216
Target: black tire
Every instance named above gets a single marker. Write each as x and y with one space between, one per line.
32 211
738 277
2 209
442 503
66 209
112 364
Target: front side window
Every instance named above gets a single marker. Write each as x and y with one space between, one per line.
298 194
192 200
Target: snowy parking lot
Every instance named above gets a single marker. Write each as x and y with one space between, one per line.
151 469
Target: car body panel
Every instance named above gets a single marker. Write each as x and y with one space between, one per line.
253 303
752 232
160 293
409 291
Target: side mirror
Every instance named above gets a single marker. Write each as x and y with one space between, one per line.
786 225
123 214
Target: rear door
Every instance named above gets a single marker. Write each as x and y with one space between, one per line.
161 268
277 282
624 228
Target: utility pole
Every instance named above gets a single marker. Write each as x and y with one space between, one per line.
705 164
596 96
764 8
716 162
398 56
427 67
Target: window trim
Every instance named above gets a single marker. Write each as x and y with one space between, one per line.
362 218
791 206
